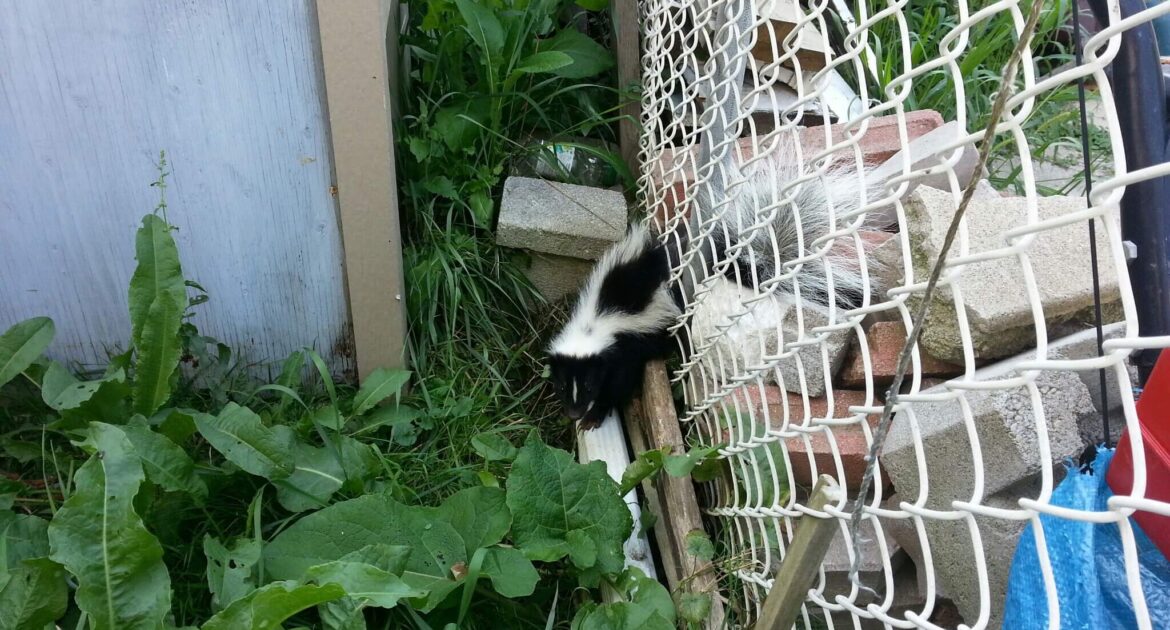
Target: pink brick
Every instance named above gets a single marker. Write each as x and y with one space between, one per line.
886 340
850 439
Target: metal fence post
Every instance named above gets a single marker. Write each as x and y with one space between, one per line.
1139 95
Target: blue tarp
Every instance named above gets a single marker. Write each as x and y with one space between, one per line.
1088 564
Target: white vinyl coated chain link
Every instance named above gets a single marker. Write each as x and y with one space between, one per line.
729 93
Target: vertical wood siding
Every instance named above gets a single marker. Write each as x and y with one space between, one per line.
90 91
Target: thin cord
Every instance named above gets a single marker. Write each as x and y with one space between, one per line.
879 436
1087 157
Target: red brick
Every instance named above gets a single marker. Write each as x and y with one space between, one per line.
886 340
880 141
850 439
878 144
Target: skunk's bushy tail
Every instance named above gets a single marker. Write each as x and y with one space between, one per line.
777 215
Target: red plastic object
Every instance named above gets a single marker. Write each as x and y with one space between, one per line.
1153 411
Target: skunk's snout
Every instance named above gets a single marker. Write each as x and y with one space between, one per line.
574 413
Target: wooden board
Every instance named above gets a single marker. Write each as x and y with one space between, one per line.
653 426
783 16
359 72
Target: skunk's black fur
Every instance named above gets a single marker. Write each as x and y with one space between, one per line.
618 324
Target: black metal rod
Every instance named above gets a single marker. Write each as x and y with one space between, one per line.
1139 95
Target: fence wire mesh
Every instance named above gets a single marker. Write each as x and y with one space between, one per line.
806 159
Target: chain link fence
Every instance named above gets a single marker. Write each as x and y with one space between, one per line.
807 159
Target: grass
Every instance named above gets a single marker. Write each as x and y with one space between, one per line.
1053 126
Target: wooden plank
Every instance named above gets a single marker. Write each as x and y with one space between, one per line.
677 501
806 552
668 548
90 92
810 44
629 67
358 78
607 443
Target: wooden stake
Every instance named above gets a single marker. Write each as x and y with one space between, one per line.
805 555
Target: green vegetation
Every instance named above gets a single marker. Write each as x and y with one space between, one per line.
139 498
1052 130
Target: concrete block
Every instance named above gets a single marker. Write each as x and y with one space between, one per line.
885 342
1083 345
904 532
562 219
555 276
871 570
928 153
997 305
766 329
1005 424
812 454
954 554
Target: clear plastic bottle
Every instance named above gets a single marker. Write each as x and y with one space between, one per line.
574 161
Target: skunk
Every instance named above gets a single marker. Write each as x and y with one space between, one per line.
623 311
798 218
619 323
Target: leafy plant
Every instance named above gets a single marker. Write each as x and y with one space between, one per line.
481 82
284 503
989 43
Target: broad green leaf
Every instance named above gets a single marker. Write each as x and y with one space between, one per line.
103 399
389 558
479 515
442 186
494 447
158 299
551 495
582 549
644 465
593 5
388 416
121 579
33 595
319 473
22 537
22 344
364 582
512 574
343 528
546 61
459 125
694 607
328 416
56 382
681 465
177 424
646 593
267 607
238 435
342 614
291 370
230 572
699 545
589 57
317 476
165 463
483 26
647 606
378 386
620 616
482 208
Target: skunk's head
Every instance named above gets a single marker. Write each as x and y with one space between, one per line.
579 382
